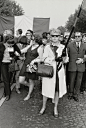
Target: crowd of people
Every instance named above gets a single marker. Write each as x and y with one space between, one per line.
26 50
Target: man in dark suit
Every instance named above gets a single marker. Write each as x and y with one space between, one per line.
76 66
83 84
2 48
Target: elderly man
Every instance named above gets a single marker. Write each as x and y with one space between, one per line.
76 66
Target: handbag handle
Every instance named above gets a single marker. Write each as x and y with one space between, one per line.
46 63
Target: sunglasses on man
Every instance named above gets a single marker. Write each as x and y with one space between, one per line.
77 36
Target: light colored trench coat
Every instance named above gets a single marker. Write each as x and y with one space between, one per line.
48 84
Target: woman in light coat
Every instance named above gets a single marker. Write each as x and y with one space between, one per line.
54 87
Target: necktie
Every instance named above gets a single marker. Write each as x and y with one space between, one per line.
78 46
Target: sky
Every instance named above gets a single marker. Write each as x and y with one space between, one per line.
57 10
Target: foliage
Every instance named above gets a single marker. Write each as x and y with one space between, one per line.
10 8
81 23
62 29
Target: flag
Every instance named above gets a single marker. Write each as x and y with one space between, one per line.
40 25
6 23
84 4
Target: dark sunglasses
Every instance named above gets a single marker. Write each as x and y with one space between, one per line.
78 36
55 35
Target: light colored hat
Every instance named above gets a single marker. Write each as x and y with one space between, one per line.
55 31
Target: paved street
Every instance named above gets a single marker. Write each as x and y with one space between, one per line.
17 113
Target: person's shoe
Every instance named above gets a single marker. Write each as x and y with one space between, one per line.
3 95
27 97
84 92
18 91
76 99
0 81
42 111
55 113
7 97
70 97
81 92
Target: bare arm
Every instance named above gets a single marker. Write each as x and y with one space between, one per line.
40 55
24 50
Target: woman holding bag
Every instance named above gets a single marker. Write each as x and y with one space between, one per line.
54 87
32 52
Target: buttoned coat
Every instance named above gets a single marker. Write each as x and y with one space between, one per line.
74 54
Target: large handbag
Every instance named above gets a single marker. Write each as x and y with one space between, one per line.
44 70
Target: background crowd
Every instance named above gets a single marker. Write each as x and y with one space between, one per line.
17 54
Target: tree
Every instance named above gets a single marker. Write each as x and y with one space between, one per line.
81 23
10 8
62 29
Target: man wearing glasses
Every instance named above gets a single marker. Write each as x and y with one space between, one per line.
83 85
76 66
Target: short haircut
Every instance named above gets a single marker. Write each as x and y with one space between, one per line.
44 35
30 31
78 33
20 31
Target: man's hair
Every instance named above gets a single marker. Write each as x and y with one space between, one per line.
79 33
30 31
20 31
44 35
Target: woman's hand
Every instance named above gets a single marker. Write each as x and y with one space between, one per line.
65 59
31 63
28 69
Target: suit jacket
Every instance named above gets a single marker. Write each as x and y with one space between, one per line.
2 48
74 54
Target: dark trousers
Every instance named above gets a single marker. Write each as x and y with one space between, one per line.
83 84
0 70
5 76
75 79
67 76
